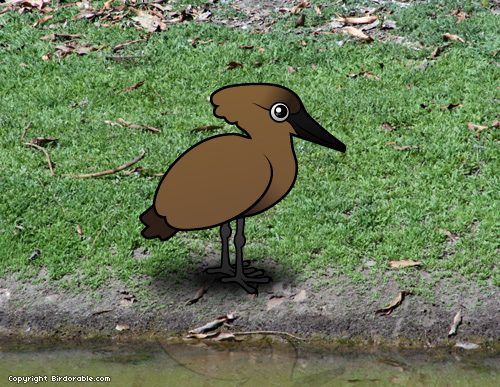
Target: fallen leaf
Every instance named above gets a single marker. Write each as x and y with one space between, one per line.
357 20
456 322
119 47
291 70
438 50
301 296
60 36
406 147
233 65
43 20
79 230
365 74
273 302
127 124
300 21
213 324
246 47
27 3
205 127
356 33
387 126
198 295
453 37
470 125
422 66
394 304
122 327
451 106
467 345
317 9
460 15
257 64
137 85
41 140
33 255
148 22
404 263
313 66
303 4
495 124
449 235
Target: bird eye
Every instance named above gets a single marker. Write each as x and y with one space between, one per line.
279 112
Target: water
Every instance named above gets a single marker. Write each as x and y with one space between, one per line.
264 363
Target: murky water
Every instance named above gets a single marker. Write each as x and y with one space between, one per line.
162 363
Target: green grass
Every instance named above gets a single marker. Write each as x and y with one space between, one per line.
373 203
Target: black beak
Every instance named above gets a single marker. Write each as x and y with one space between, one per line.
308 129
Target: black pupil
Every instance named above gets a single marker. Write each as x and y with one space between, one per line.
280 111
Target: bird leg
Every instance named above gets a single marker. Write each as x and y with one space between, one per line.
243 275
225 267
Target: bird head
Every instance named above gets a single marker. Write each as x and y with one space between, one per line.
266 107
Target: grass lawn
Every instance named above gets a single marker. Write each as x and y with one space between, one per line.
437 201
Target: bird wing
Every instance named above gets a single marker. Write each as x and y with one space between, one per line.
213 182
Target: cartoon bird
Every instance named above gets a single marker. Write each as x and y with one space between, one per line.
234 176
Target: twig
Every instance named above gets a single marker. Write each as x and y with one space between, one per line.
267 333
162 100
44 151
102 228
25 130
109 172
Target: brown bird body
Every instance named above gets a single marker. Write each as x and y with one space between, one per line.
233 176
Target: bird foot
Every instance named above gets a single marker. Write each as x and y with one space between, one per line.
244 280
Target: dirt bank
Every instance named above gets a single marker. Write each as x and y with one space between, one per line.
338 310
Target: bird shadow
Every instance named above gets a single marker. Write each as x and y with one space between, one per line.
196 283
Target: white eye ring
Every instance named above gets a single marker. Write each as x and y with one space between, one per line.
279 112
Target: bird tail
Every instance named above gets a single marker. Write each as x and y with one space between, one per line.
156 226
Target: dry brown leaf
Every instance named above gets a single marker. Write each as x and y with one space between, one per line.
317 9
295 9
213 324
118 47
233 65
79 230
460 15
301 296
148 22
387 126
456 322
449 235
356 33
394 304
273 302
62 36
122 327
43 20
300 21
406 147
451 106
205 127
357 20
495 124
137 85
41 140
246 47
470 125
26 3
291 70
313 66
404 263
198 295
364 74
453 37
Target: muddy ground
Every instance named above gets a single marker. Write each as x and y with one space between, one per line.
338 310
